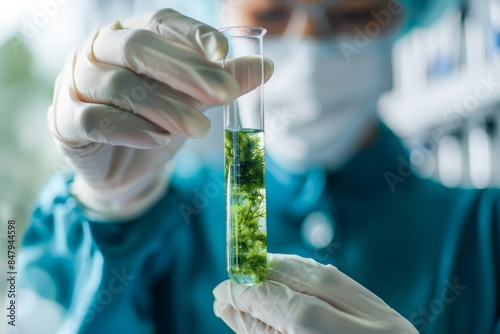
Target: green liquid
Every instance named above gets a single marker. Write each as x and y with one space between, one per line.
244 171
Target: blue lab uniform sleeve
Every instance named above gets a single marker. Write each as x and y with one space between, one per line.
114 278
94 271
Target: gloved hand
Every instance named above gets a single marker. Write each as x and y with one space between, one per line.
128 97
303 296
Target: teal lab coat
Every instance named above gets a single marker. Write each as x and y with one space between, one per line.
430 252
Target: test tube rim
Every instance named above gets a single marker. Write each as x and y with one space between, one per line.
243 32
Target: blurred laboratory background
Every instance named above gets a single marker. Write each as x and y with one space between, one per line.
445 103
446 99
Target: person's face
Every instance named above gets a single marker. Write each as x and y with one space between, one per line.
314 17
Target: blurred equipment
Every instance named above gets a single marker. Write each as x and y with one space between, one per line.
446 97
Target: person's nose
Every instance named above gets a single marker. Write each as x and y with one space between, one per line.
315 24
309 27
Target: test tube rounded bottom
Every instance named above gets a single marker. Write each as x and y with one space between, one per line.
244 166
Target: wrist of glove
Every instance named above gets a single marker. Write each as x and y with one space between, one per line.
303 296
113 185
125 201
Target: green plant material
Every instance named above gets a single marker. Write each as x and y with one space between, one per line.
244 169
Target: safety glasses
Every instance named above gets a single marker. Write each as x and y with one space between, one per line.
307 17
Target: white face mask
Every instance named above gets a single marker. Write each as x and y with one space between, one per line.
318 104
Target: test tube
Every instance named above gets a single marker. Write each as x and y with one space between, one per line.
244 159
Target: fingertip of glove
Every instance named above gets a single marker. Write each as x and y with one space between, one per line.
219 288
223 88
231 94
214 44
268 68
223 293
201 130
162 139
227 290
284 266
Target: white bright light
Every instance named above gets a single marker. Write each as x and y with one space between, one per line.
450 161
11 13
480 157
318 229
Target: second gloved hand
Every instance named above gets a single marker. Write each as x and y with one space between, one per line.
128 97
303 296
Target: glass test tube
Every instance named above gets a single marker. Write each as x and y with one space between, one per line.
244 159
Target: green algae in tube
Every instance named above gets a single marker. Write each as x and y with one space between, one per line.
244 161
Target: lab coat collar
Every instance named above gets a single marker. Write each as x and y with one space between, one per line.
363 175
375 167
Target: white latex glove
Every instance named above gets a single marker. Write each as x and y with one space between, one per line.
128 97
303 296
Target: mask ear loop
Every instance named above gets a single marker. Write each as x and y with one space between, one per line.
318 14
297 22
